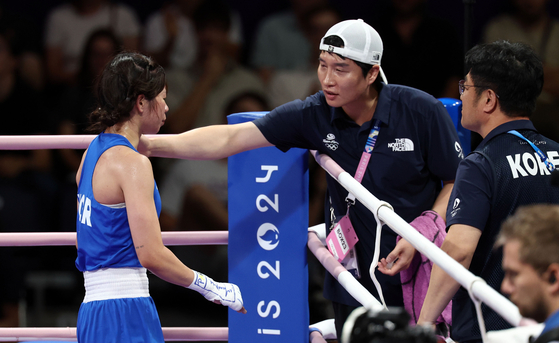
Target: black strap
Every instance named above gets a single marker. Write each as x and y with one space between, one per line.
549 336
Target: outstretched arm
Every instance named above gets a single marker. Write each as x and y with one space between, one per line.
205 143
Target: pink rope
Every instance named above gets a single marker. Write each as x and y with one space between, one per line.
316 337
46 142
324 256
69 238
196 334
327 163
69 334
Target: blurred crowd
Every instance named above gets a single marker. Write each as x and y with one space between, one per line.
214 67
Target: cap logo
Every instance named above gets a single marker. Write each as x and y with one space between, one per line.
330 48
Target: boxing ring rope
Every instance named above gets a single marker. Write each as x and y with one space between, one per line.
354 288
478 287
69 334
69 238
36 142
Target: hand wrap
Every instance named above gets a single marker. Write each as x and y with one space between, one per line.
226 294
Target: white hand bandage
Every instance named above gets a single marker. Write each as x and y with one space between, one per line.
326 327
226 294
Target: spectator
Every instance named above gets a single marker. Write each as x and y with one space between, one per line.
281 43
194 194
420 50
27 46
199 95
70 24
289 84
170 35
27 188
530 242
79 101
529 22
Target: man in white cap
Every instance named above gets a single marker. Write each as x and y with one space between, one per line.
416 150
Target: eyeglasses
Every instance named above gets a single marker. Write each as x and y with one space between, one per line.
462 86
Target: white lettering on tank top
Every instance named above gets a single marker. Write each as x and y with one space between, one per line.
84 210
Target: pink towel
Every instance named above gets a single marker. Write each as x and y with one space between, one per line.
415 279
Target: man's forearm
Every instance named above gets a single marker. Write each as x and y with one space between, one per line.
460 244
198 144
442 288
206 143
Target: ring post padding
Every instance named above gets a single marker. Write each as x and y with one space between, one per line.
454 109
268 221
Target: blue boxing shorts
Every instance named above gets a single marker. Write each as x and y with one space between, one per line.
118 308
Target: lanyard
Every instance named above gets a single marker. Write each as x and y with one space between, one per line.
544 159
345 223
365 157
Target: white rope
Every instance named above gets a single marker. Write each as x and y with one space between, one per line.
374 263
479 313
345 278
464 277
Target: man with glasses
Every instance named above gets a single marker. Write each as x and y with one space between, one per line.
511 167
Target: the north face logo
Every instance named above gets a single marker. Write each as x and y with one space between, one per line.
401 144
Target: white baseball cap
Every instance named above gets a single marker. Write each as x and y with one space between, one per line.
362 43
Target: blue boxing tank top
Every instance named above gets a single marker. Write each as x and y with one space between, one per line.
103 232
